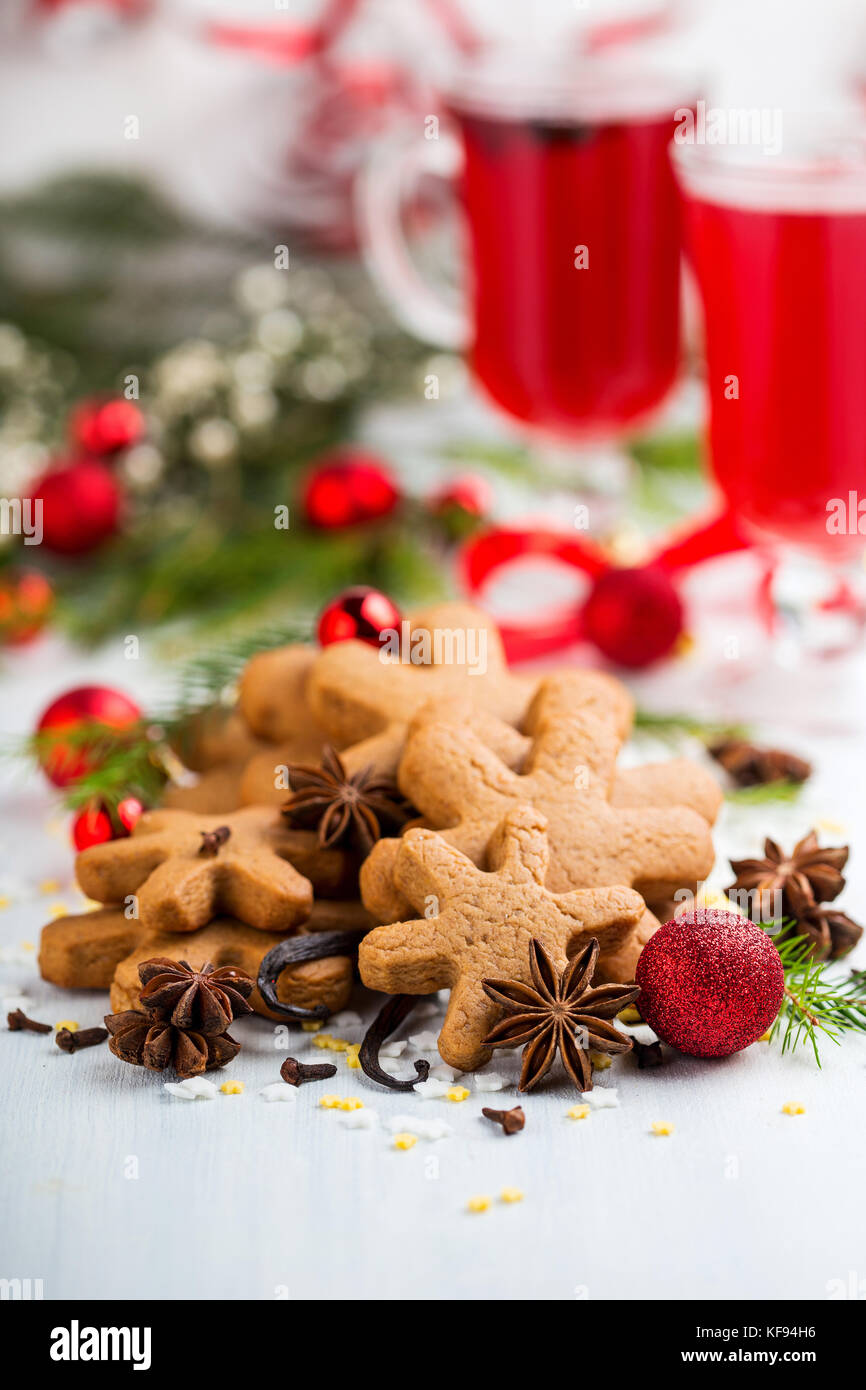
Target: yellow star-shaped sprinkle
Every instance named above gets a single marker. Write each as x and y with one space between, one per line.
405 1141
661 1128
232 1088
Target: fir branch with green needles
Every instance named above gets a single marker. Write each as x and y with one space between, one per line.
673 726
818 1001
138 759
765 793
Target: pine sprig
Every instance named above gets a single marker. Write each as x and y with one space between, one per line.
674 726
818 1000
138 759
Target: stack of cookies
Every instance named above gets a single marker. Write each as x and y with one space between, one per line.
521 828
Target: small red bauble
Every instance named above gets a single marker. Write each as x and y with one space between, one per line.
348 490
634 616
462 503
129 813
80 506
92 826
26 601
362 613
711 982
63 763
104 426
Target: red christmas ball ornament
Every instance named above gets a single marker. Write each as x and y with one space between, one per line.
26 601
103 425
64 762
462 504
634 616
129 813
80 506
711 982
92 826
363 613
349 489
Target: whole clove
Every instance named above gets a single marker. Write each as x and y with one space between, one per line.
512 1121
18 1022
73 1041
213 840
298 1073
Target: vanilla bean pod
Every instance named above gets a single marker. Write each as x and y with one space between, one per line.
296 950
389 1017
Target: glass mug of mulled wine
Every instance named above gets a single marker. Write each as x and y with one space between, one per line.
778 245
571 320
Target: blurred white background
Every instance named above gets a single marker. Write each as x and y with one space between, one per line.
71 71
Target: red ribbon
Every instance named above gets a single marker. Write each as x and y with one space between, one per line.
494 550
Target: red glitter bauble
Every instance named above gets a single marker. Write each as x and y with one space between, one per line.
65 762
362 613
80 506
92 826
104 426
711 982
348 490
26 601
634 616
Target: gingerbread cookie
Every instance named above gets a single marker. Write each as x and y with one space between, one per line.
484 924
209 794
216 737
272 699
188 869
364 700
89 950
463 788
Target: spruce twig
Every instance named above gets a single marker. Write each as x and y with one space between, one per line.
818 1000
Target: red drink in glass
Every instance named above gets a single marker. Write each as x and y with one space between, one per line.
781 263
573 352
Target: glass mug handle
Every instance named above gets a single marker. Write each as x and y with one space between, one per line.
383 190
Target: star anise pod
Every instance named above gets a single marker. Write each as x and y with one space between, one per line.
751 766
832 932
359 807
559 1013
204 1000
807 876
156 1044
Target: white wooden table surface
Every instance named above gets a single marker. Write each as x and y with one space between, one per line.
113 1188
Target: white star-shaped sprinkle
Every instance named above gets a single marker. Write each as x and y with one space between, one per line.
602 1098
194 1088
279 1091
489 1081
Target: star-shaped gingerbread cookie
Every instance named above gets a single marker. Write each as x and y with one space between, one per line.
568 772
187 869
483 925
363 696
